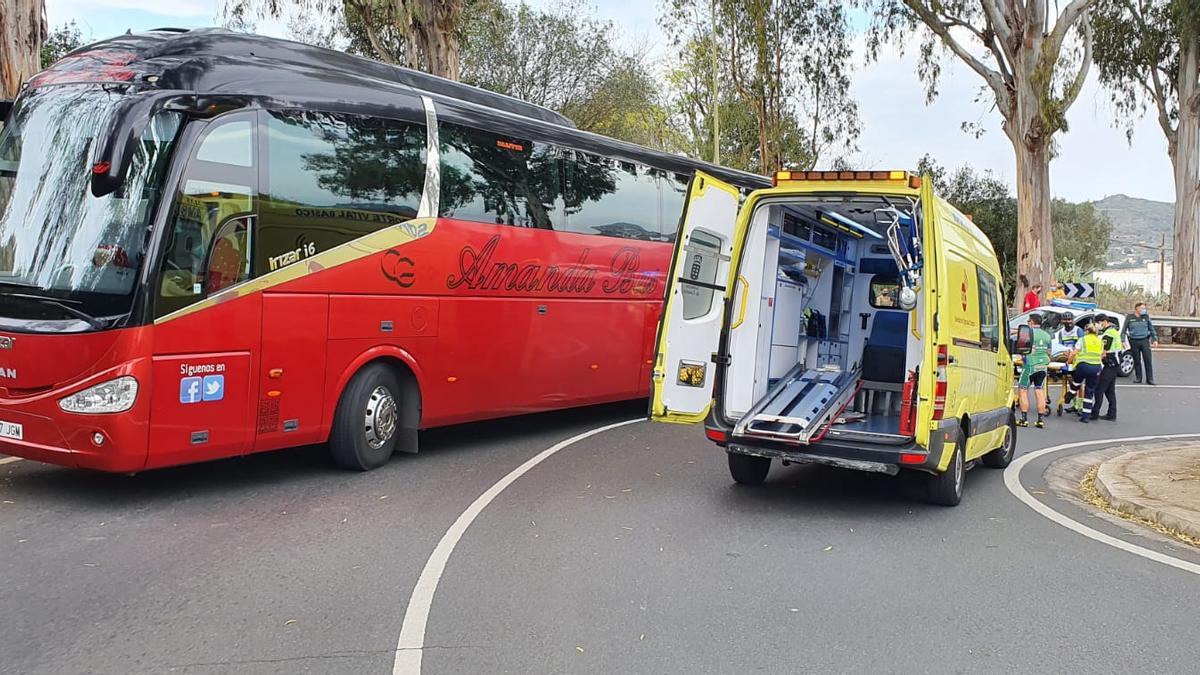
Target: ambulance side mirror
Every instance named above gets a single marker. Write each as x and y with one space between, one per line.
1023 344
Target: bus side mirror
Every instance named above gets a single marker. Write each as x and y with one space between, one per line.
128 123
1023 344
121 138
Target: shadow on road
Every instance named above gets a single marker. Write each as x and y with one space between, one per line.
795 489
294 468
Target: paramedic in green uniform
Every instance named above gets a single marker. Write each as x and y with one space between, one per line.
1106 388
1033 373
1086 371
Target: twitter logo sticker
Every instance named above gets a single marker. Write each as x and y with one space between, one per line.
214 387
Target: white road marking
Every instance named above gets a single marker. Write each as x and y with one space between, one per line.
1159 386
411 644
9 460
1012 480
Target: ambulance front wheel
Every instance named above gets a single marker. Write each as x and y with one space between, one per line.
747 469
1002 456
367 419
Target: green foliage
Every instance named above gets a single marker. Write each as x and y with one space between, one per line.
988 202
1137 54
1123 298
1081 238
62 41
567 61
784 71
1081 234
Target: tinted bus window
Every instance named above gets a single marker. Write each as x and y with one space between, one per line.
208 245
500 180
332 179
612 198
673 188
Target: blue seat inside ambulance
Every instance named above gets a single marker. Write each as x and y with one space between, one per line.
883 355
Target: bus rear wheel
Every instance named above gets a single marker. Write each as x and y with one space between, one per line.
367 420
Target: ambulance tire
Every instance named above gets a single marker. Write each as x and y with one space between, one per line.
365 426
1003 455
946 488
747 469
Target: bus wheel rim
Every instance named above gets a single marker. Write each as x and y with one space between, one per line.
380 417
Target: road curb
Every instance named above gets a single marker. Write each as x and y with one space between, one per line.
1128 487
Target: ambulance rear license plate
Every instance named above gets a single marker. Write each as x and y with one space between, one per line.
11 430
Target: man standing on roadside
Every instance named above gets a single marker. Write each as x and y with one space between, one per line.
1140 334
1106 387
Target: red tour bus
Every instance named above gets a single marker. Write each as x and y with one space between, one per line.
215 244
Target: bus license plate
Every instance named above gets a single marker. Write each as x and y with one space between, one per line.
11 430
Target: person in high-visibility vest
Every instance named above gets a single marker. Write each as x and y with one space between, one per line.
1106 387
1086 371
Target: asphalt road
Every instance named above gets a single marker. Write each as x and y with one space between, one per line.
630 551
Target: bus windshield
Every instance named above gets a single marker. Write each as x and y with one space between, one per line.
65 254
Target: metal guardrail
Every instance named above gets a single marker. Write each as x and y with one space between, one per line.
1176 321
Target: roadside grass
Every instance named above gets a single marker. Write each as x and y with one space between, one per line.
1087 490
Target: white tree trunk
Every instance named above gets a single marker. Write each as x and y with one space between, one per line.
22 32
1035 234
1185 282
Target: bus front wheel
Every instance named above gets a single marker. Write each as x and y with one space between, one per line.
366 423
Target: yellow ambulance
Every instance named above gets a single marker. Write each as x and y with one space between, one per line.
847 318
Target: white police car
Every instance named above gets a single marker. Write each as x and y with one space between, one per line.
1083 313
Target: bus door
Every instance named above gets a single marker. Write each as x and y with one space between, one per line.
207 328
698 285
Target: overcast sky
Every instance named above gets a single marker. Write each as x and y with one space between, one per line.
1094 161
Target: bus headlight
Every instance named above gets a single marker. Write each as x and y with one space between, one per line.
113 396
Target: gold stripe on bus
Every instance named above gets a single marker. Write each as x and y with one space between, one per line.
370 244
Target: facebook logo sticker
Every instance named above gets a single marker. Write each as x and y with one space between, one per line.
214 387
189 390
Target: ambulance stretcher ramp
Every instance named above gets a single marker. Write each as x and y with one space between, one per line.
801 404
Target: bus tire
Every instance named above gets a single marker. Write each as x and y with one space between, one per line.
748 469
366 423
946 488
1003 455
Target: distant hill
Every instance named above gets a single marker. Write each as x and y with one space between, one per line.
1136 221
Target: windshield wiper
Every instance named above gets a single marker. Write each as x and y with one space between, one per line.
92 321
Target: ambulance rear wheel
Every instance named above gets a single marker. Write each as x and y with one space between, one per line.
1003 455
366 422
747 469
946 488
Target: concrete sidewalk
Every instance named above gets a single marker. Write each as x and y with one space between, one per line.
1159 482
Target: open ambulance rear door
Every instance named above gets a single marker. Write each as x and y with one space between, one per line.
698 285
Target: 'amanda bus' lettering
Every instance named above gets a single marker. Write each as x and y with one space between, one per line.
477 270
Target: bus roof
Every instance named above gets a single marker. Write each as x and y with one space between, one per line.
218 61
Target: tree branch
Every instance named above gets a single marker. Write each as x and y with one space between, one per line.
1000 25
939 27
1063 24
1159 94
366 15
1072 92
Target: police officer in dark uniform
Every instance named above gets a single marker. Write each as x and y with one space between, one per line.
1110 337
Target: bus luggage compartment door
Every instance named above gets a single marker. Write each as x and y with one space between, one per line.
291 374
